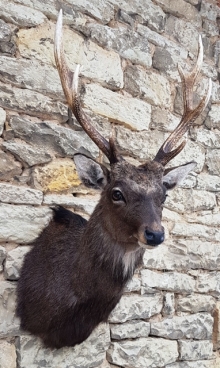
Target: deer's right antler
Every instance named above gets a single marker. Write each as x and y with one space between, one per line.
168 151
69 81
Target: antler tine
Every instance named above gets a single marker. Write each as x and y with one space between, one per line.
167 151
69 81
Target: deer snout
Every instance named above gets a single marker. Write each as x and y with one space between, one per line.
154 237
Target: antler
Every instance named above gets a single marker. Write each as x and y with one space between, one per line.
69 81
167 151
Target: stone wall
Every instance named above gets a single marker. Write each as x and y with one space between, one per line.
170 312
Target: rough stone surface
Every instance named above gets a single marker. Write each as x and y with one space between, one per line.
2 257
20 195
196 364
9 324
209 283
136 307
144 352
14 261
130 112
196 303
20 15
80 204
8 355
130 330
8 167
89 354
195 326
22 223
195 350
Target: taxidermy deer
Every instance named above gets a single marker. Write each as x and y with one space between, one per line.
76 271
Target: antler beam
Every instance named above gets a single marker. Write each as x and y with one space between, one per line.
69 82
168 151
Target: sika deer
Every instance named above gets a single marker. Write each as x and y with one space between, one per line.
76 271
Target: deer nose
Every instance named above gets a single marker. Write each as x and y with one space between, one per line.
154 237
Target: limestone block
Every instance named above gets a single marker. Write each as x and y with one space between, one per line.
137 144
195 303
20 195
195 350
8 167
184 254
20 15
31 102
53 137
130 112
130 330
206 218
169 304
2 257
209 283
89 354
170 281
136 307
208 138
9 324
98 64
128 43
196 364
2 120
14 262
98 9
213 161
22 224
163 119
212 120
152 87
180 9
58 176
7 355
190 200
196 230
216 327
192 151
208 182
209 11
143 352
133 285
5 32
80 204
194 326
149 12
31 155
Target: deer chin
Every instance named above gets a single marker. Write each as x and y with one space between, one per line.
146 246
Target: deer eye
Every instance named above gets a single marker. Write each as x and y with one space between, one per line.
117 195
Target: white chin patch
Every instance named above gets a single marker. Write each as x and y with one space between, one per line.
146 246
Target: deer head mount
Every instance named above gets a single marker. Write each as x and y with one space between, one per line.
75 274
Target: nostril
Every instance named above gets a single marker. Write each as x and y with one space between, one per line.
154 237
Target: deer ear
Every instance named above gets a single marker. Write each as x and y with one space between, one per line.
175 176
91 173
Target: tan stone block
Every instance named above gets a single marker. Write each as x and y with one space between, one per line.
58 176
7 355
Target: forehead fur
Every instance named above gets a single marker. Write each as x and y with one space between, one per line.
149 172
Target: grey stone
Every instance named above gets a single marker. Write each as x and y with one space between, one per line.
8 355
180 9
9 324
89 354
128 43
212 120
210 138
31 155
209 283
14 261
130 112
31 102
213 161
136 307
208 182
195 364
195 350
169 304
152 87
130 330
209 10
51 136
22 224
207 218
190 200
196 230
195 326
86 205
20 195
2 257
170 281
5 31
133 285
195 303
163 119
2 120
20 15
98 9
143 352
9 168
148 12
